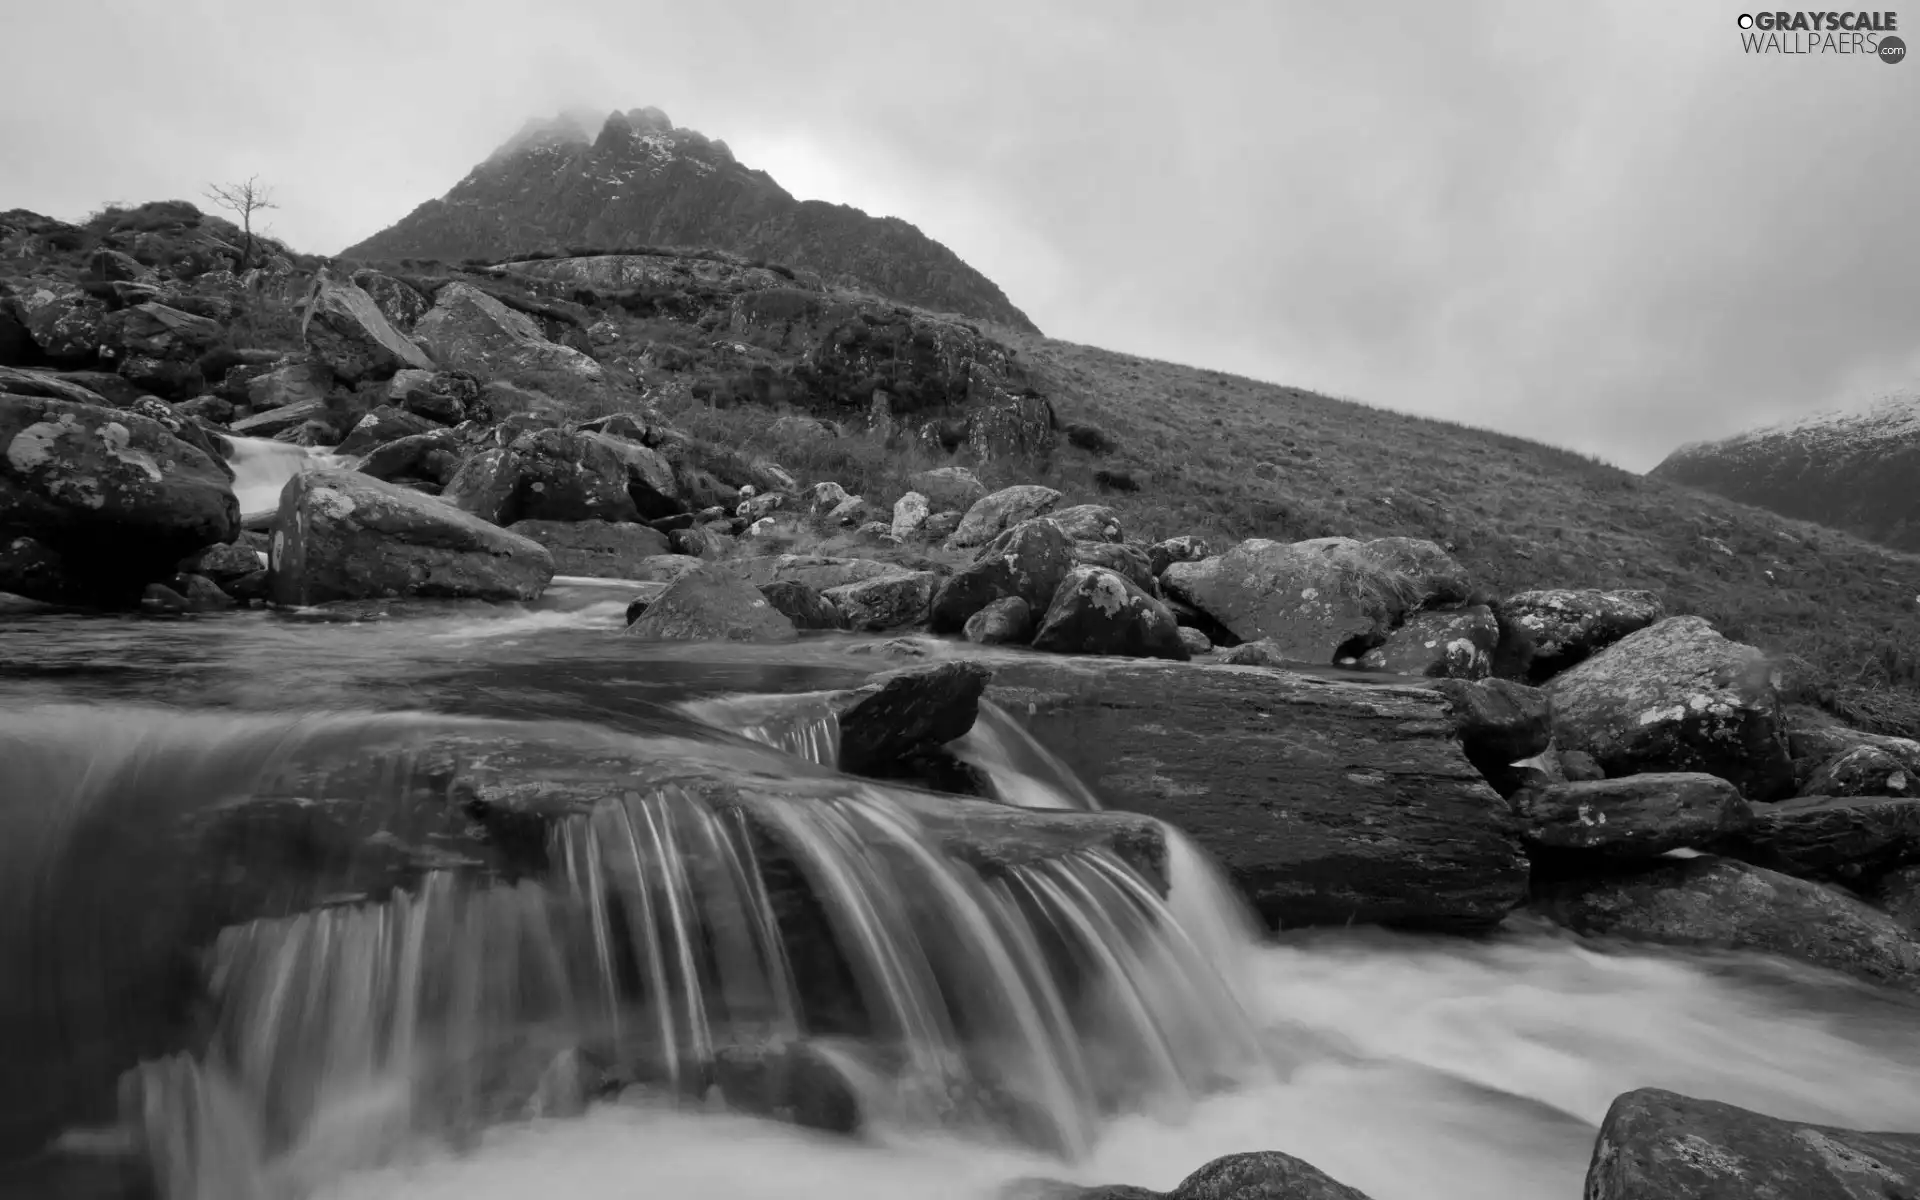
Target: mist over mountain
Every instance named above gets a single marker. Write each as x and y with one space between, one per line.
1854 471
579 181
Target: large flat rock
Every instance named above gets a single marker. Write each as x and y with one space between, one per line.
1327 803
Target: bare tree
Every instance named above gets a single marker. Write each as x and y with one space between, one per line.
243 199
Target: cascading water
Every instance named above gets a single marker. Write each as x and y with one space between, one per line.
677 935
693 949
261 468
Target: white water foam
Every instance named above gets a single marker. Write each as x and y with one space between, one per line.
1425 1069
261 468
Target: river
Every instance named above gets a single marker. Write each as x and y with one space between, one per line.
1413 1068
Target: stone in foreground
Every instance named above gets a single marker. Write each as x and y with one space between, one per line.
1326 803
712 604
1658 1145
341 535
1728 905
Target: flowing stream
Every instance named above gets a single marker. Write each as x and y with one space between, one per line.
794 944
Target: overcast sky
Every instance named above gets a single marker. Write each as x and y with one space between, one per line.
1603 226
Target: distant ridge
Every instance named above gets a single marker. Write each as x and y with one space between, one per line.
579 181
1857 471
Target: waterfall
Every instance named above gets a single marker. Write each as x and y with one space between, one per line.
1020 770
261 468
698 929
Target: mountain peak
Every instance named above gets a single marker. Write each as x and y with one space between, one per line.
629 179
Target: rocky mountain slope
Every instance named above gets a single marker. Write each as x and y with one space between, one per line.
637 180
1853 471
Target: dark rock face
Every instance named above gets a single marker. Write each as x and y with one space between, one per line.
1325 803
712 604
909 712
1658 1145
600 549
632 185
1868 771
1638 816
1851 472
1677 696
341 535
1096 611
116 495
1842 840
1717 902
890 601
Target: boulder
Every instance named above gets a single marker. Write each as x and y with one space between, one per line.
1435 577
545 475
1096 611
1326 803
1029 561
1131 562
296 385
948 489
1185 548
1843 840
886 601
1498 722
1310 599
433 455
443 397
1256 1175
651 483
380 426
1567 627
905 713
817 571
222 564
1638 816
32 570
910 513
600 549
115 494
1197 643
1455 644
1869 770
712 604
1089 523
803 605
1010 425
66 324
1715 902
163 332
1001 510
664 568
399 302
48 385
709 542
1658 1145
1005 622
1676 696
472 331
346 330
341 535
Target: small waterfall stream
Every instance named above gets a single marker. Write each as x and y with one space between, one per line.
261 468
